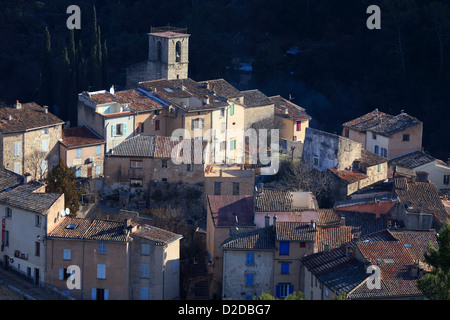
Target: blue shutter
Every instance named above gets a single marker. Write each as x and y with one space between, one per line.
284 248
376 149
290 289
278 291
61 274
98 150
285 268
249 279
124 128
113 130
250 258
78 153
93 294
106 296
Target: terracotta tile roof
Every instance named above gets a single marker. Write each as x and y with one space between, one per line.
222 88
348 176
271 200
370 159
421 197
102 97
25 197
89 229
331 237
287 109
328 217
159 236
362 223
28 117
393 251
254 239
367 121
395 124
80 136
230 210
412 160
185 88
255 98
295 231
9 179
139 100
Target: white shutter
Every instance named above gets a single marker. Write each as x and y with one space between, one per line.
17 146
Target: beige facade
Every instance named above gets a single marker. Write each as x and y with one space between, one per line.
86 161
229 181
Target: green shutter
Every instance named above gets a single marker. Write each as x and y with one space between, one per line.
232 109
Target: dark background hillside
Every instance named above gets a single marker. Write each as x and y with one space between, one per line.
341 70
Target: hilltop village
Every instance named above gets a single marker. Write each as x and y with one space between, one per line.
153 223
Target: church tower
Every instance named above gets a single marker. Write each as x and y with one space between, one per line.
168 52
168 57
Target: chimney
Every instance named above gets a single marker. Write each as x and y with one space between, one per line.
414 269
111 90
220 171
45 109
326 247
18 105
27 177
343 221
126 225
9 117
275 222
267 220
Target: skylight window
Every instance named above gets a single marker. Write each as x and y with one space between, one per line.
407 245
71 226
388 260
168 89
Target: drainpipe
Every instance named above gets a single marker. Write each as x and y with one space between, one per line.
82 270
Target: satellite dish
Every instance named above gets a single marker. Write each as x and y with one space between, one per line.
63 213
67 211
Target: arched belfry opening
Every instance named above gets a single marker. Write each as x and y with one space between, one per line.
178 51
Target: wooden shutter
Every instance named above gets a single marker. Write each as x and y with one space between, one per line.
299 126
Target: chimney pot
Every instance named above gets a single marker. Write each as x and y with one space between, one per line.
267 220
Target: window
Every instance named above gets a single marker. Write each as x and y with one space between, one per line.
44 145
283 290
98 150
250 259
99 294
44 166
6 238
63 274
101 271
45 131
67 254
222 112
164 163
446 179
143 293
189 167
136 164
37 249
299 126
284 268
302 244
140 127
102 247
78 153
232 109
284 248
144 271
235 188
156 124
223 145
198 123
145 249
376 149
136 182
233 145
374 136
346 133
383 152
156 112
17 147
78 172
119 129
98 170
8 213
378 167
249 277
217 188
316 161
37 220
406 137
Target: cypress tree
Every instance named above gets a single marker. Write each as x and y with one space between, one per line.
105 66
45 90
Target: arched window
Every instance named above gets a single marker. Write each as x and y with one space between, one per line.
178 51
158 51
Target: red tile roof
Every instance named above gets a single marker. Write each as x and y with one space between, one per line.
331 236
348 176
139 100
28 117
367 121
159 236
285 108
79 136
101 97
230 210
295 231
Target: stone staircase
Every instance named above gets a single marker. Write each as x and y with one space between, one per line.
199 280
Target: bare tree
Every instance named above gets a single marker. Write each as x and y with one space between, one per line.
36 163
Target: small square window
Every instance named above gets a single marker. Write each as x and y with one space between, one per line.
164 163
102 247
406 137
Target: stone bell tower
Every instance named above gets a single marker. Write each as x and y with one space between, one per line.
168 57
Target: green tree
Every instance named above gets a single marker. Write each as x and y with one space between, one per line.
435 285
293 296
45 89
340 296
61 179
